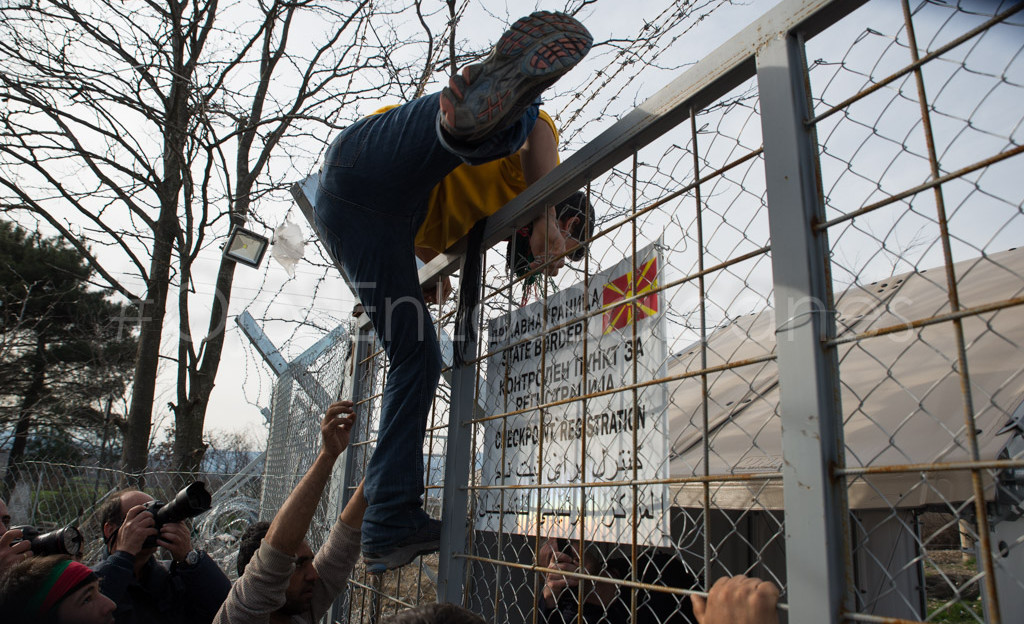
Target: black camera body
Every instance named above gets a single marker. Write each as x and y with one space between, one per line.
66 541
191 501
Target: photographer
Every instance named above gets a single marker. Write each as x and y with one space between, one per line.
10 555
53 590
145 590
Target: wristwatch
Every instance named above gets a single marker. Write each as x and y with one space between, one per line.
193 557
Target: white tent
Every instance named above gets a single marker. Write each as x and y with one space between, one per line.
902 399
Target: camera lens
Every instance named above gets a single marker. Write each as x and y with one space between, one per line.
66 541
72 539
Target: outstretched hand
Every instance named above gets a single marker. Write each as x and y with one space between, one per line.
336 428
738 600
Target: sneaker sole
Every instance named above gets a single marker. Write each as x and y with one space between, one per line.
532 54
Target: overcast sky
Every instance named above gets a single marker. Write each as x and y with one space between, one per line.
297 312
289 306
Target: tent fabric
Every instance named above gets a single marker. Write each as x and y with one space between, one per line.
902 401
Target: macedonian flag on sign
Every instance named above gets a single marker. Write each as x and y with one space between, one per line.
644 280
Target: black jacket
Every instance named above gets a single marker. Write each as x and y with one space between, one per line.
179 595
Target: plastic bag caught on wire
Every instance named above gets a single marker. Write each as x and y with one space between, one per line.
288 246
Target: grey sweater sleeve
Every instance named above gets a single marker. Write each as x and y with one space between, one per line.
260 590
334 563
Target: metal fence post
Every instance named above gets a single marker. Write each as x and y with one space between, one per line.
361 346
451 573
812 432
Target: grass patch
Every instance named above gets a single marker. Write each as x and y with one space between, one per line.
962 612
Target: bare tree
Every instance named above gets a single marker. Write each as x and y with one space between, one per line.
232 451
142 130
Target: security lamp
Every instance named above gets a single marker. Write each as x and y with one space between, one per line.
246 247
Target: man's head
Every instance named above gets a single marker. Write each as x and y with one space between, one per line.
53 590
249 543
298 596
575 220
576 217
113 513
5 517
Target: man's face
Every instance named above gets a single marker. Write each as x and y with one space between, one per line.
299 595
86 605
5 517
129 500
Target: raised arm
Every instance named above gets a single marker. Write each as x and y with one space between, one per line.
288 529
337 557
260 591
539 155
352 514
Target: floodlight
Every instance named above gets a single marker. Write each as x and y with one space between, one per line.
246 247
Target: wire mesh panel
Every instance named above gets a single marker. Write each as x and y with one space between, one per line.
919 120
791 349
601 465
299 401
376 596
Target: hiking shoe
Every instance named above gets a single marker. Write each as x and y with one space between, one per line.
532 54
424 541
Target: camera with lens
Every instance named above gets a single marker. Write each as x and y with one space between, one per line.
66 541
191 501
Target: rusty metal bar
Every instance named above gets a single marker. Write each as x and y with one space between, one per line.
626 388
995 306
702 298
918 63
993 464
935 182
860 617
715 478
664 589
980 508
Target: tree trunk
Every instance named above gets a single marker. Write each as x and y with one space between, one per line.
32 397
135 456
191 418
175 169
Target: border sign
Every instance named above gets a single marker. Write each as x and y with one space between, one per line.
552 354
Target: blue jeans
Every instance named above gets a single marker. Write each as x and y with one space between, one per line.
374 187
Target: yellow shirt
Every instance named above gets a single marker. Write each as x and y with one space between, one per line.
470 193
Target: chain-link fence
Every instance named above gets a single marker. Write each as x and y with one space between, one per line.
300 398
793 349
53 494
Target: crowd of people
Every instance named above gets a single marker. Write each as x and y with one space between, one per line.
281 580
401 184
